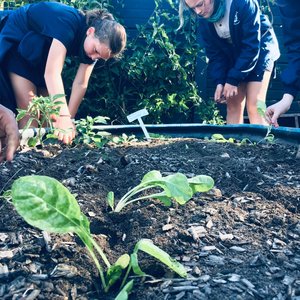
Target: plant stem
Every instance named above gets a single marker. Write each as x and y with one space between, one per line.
92 254
99 250
126 276
123 202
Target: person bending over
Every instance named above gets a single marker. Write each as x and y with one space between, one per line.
36 39
241 47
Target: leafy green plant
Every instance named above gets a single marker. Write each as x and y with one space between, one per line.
261 109
86 131
219 138
176 186
40 111
45 203
157 72
124 139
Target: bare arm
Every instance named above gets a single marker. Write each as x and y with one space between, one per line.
55 62
79 87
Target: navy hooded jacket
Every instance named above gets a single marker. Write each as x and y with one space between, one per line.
290 15
33 26
31 29
251 34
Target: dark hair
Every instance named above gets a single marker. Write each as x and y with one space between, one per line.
107 30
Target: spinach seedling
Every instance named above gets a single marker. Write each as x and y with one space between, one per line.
124 139
176 186
45 203
219 138
40 111
261 109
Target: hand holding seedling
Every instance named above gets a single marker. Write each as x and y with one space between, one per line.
64 128
261 109
274 111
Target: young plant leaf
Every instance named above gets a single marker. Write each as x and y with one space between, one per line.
124 293
151 176
201 183
261 108
148 247
111 199
163 198
175 186
46 204
32 142
115 271
135 265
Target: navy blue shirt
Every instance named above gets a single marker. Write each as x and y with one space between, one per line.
32 28
252 38
290 15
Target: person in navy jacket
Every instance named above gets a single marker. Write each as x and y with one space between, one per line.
290 16
34 42
241 47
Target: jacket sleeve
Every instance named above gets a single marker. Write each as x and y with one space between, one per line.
290 15
247 16
217 60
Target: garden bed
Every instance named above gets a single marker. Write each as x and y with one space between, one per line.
239 241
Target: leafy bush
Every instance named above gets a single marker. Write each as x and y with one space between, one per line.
157 72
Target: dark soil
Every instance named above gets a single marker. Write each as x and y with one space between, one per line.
240 241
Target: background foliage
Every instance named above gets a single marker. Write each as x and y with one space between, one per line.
157 70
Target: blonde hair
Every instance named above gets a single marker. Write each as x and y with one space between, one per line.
107 30
182 8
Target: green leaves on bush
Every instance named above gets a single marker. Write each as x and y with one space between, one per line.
86 133
40 111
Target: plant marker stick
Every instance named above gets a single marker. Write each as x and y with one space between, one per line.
138 116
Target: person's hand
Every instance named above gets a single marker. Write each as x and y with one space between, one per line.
230 91
274 111
65 129
9 134
219 96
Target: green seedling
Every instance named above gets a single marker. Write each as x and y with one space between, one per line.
158 136
176 186
261 109
124 139
45 203
124 293
219 138
87 135
40 111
